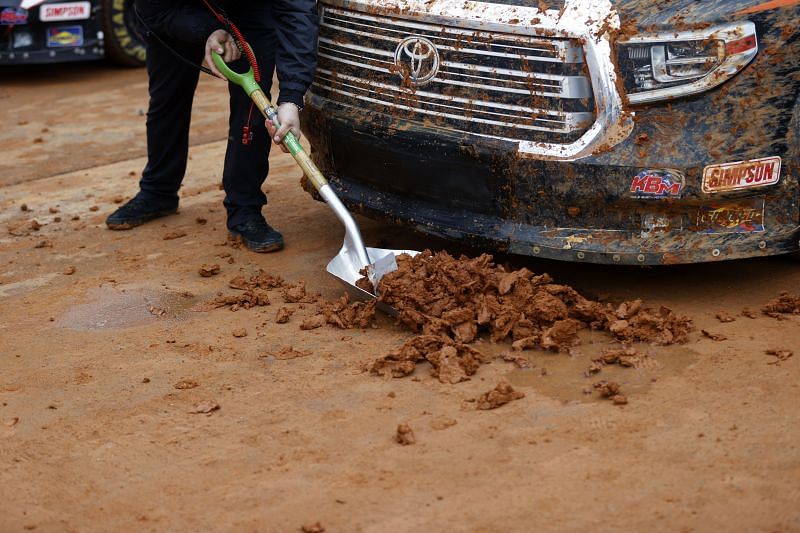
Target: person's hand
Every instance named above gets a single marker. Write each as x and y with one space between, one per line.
222 43
289 117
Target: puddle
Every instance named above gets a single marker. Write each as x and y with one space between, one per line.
27 285
565 379
125 307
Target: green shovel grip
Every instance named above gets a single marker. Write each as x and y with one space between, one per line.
248 82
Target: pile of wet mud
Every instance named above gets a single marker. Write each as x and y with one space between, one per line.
451 302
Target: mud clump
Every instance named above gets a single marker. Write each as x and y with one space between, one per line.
283 315
627 357
724 316
405 435
206 407
436 294
246 300
451 361
779 355
612 391
313 527
254 291
345 314
296 293
207 271
287 352
784 304
312 322
259 280
713 336
498 396
185 384
172 235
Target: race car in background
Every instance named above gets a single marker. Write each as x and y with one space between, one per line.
606 131
42 31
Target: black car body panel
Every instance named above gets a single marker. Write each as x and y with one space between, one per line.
664 188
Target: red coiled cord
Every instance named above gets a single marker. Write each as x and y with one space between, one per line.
238 38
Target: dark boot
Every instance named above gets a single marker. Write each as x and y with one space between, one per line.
258 236
136 212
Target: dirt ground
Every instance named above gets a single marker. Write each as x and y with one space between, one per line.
109 360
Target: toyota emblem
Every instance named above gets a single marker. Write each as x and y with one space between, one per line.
416 59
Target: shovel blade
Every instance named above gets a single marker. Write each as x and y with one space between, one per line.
343 268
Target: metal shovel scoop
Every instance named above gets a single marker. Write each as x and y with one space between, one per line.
347 265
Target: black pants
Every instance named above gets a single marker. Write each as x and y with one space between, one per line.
172 84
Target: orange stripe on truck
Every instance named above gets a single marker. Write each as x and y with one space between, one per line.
773 4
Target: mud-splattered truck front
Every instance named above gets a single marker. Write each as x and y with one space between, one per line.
630 132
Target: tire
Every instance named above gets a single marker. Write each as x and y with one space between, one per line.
124 44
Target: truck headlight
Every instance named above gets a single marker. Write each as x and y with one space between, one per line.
670 65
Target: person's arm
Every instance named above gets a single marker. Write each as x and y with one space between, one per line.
180 21
297 26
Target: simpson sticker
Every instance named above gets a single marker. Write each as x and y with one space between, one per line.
64 36
657 184
65 11
746 216
742 175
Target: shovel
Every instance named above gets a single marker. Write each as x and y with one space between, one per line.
354 257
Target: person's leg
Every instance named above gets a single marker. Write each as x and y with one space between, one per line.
246 165
172 83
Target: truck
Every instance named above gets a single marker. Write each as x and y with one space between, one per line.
599 131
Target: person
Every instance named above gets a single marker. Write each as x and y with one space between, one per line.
283 36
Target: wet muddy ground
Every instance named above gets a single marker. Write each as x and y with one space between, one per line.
140 390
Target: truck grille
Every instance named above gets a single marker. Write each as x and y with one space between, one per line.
511 86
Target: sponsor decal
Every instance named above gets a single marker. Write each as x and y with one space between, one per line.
660 223
64 36
657 184
746 216
65 11
742 175
13 16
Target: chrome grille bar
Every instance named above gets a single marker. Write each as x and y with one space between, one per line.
515 87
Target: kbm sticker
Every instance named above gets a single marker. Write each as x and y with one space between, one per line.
742 175
11 16
64 36
657 184
744 216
